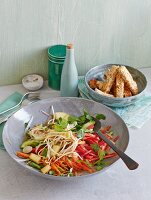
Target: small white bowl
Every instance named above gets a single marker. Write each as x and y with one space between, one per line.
33 82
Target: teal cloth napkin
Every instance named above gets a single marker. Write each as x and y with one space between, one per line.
12 100
134 115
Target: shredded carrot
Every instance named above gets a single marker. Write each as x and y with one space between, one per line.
55 168
68 162
22 155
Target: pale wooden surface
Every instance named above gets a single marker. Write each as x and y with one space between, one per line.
103 31
118 183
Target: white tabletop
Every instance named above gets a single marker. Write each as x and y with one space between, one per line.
118 183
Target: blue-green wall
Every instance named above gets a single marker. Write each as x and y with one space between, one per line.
103 31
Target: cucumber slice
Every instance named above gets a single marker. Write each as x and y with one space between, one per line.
32 143
62 115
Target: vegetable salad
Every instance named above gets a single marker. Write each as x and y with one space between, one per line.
67 145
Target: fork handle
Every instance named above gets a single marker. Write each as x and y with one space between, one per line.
130 163
20 102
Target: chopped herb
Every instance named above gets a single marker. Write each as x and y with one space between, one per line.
62 175
110 133
80 133
61 125
87 115
70 174
88 163
85 162
51 172
35 143
58 128
99 167
44 152
78 127
72 119
64 123
100 116
95 147
50 125
101 154
82 119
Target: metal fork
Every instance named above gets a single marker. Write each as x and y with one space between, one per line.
130 163
30 95
5 117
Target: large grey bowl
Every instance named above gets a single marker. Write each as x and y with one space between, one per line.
13 133
98 73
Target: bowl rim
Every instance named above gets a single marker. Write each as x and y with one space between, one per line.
115 98
4 137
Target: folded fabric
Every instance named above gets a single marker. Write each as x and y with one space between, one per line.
134 115
12 100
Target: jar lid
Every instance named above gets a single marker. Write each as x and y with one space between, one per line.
33 82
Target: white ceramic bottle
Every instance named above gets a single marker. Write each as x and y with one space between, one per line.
69 76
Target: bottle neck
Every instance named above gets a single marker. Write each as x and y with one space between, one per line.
70 54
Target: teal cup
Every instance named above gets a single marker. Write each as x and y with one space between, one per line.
57 51
56 57
54 74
